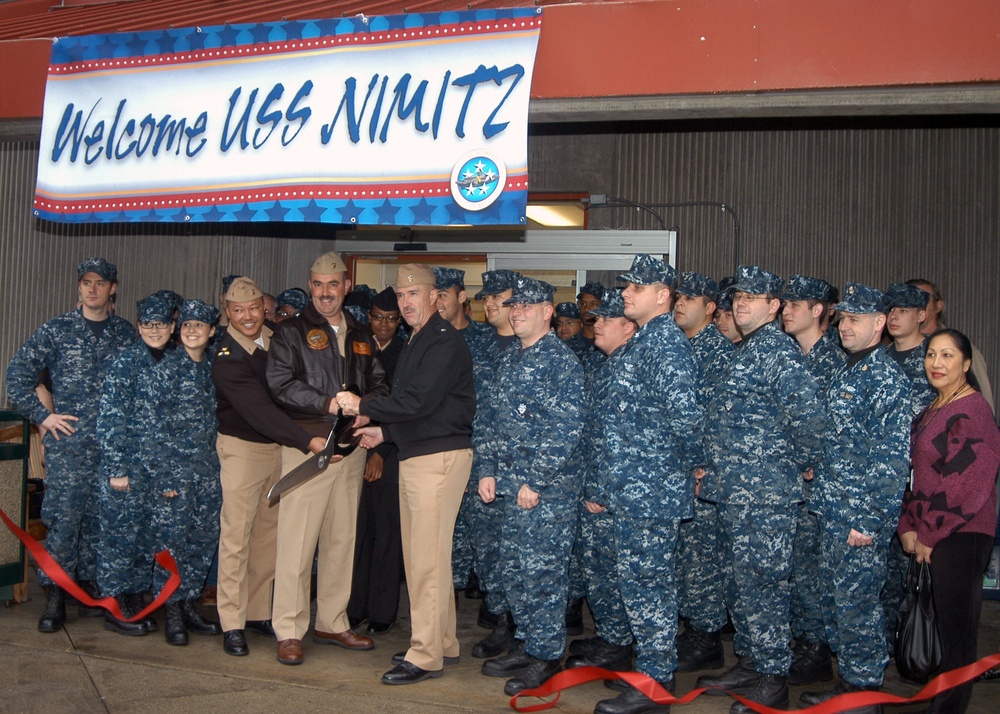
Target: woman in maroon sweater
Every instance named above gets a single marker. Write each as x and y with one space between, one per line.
949 511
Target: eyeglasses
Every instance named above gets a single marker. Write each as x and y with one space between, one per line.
747 297
287 313
153 325
383 318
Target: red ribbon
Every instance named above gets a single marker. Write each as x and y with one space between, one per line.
47 563
652 689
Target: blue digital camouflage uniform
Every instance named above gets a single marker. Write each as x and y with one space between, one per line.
77 361
131 416
699 556
536 405
766 428
912 363
467 547
651 429
188 463
823 361
860 486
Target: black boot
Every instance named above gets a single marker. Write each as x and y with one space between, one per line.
508 665
123 626
739 678
587 645
811 663
487 620
616 658
138 604
499 641
771 691
574 616
195 623
632 701
173 624
535 675
472 589
90 587
54 615
697 650
808 699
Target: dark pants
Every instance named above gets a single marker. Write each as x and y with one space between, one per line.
378 550
957 566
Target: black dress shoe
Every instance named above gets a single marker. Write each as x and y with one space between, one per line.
400 657
379 628
536 674
262 627
234 643
54 615
407 673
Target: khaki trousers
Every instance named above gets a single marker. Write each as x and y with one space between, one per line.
248 530
430 493
321 512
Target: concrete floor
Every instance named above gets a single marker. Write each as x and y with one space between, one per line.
84 668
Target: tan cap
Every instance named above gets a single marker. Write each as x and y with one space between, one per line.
328 264
415 274
243 289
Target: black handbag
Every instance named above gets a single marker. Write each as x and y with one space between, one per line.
918 643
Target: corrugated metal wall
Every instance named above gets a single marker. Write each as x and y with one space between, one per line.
38 259
875 201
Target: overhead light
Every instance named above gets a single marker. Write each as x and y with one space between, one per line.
556 215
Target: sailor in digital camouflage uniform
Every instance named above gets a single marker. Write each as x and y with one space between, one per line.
907 312
807 302
480 338
905 325
765 429
611 647
699 557
290 304
652 428
498 285
859 489
185 491
129 422
536 405
567 321
724 310
76 349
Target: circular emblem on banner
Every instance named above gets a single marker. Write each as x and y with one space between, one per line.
478 179
317 339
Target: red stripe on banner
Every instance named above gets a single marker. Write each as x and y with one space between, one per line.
652 689
47 563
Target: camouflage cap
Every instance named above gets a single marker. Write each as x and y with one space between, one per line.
106 270
198 311
725 301
243 289
296 297
496 282
755 280
171 297
801 287
592 288
647 270
154 308
528 291
697 285
861 300
361 295
227 281
612 305
568 309
328 264
906 295
415 274
449 278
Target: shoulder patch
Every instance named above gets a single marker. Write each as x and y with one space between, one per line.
362 348
317 339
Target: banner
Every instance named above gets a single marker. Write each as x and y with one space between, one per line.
396 120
